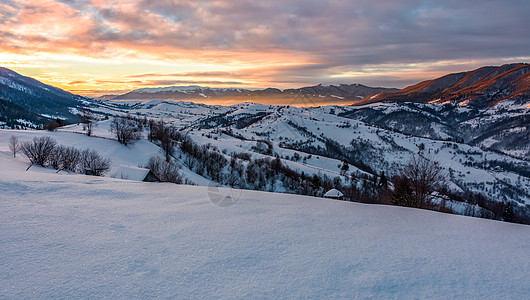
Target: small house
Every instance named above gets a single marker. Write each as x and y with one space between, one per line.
88 171
334 194
135 173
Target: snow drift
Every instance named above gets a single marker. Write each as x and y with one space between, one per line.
77 236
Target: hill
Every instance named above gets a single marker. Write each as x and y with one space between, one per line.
14 116
76 236
504 127
482 87
317 142
36 97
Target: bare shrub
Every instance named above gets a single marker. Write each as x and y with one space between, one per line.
14 145
126 131
65 158
165 135
417 181
90 159
164 170
402 194
243 155
39 150
88 120
70 158
55 157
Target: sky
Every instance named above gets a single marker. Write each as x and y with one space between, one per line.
96 47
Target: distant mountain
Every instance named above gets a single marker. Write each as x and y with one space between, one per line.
482 87
107 97
36 97
314 94
179 93
346 91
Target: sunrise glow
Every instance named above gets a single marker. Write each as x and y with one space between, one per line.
96 47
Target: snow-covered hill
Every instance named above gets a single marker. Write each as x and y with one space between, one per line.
132 156
482 87
77 236
483 152
504 127
375 138
36 97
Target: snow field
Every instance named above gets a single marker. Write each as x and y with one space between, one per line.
77 236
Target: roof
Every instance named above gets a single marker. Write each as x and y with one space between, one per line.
131 173
333 193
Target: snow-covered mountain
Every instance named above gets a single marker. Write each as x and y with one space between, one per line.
35 97
302 96
482 87
189 92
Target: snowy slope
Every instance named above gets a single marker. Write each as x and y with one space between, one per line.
291 130
37 97
134 155
467 167
75 236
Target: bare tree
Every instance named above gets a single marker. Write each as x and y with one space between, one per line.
70 158
87 118
127 131
39 150
90 159
166 135
417 181
166 171
14 145
55 157
65 158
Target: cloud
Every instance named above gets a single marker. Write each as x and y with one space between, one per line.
188 74
266 42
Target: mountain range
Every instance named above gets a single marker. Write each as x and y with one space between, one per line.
482 87
306 96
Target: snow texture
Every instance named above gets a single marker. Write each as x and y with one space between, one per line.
75 236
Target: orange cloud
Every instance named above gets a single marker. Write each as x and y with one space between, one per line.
101 44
